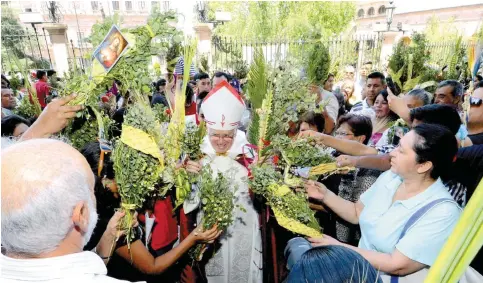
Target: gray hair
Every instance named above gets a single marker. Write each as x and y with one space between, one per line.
421 94
44 218
456 86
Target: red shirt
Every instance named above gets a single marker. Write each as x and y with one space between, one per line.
190 110
165 230
42 89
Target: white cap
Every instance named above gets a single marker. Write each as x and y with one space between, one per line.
223 107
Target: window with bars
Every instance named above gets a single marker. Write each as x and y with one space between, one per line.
142 5
95 5
115 5
128 5
370 12
382 10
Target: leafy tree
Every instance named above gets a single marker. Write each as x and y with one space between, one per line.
15 41
267 20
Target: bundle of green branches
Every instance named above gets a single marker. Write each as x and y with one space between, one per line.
191 149
162 113
291 97
85 129
26 109
267 181
137 173
257 88
300 152
217 203
132 69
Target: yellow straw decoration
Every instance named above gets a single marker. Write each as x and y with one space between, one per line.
462 245
141 141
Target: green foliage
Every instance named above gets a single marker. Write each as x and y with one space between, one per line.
318 63
193 137
291 97
12 32
267 20
292 205
15 42
132 69
88 131
257 80
408 61
300 152
160 113
217 203
100 29
26 109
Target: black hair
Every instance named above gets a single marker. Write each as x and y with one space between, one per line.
40 74
457 87
161 82
479 77
377 75
360 125
222 74
437 144
199 100
313 119
392 116
4 78
201 76
479 84
189 95
106 202
333 264
9 124
368 63
444 115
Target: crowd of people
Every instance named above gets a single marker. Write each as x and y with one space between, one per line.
417 159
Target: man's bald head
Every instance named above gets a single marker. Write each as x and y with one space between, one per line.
42 181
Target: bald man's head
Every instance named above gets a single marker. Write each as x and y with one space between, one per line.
42 182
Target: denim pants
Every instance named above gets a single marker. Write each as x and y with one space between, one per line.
294 250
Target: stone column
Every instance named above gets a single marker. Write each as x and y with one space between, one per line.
203 33
58 39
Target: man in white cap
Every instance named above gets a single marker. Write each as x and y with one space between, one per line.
239 259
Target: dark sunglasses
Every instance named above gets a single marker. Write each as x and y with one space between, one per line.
106 148
474 101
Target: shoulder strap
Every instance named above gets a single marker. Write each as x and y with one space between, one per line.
415 217
421 212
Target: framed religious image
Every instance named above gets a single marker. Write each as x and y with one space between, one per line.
111 48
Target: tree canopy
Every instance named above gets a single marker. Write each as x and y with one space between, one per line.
268 20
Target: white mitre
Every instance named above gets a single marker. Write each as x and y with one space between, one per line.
223 107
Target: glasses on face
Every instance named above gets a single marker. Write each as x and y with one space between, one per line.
106 148
343 134
222 137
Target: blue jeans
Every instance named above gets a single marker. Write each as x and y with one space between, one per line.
294 250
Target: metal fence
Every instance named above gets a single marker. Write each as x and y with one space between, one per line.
35 51
230 54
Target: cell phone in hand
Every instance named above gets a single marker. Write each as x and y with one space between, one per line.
392 86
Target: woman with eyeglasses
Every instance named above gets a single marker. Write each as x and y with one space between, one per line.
237 255
129 264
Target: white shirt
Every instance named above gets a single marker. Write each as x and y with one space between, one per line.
332 106
365 109
80 267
